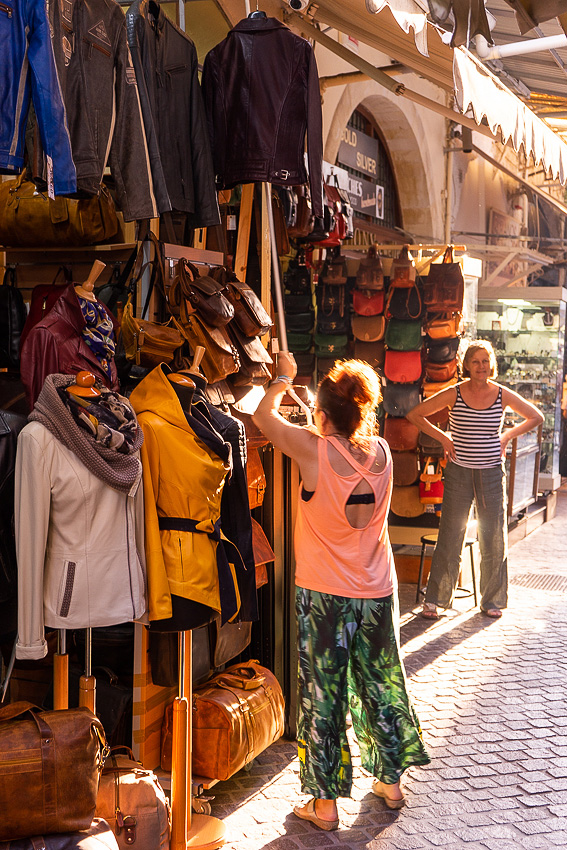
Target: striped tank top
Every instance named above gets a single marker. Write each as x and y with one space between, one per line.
476 433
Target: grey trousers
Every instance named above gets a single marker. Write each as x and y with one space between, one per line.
486 487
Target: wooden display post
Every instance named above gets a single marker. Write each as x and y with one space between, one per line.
61 673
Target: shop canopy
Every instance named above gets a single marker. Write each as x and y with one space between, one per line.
399 28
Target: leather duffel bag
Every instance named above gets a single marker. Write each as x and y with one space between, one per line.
98 836
49 769
133 803
236 715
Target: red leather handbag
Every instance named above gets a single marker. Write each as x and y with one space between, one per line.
43 298
431 483
367 302
400 434
402 367
333 202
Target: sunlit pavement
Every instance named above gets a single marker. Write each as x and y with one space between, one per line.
491 697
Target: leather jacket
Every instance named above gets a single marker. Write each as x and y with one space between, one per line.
10 426
261 92
56 346
165 61
101 98
27 67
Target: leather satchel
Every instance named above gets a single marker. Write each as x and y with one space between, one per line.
442 350
300 342
249 313
400 434
334 271
304 218
368 302
12 320
301 322
333 324
254 359
331 300
399 399
200 294
98 836
370 274
148 343
444 326
444 287
256 478
373 353
43 298
133 803
402 367
368 328
236 715
221 358
431 483
405 468
335 222
403 335
49 769
297 278
439 372
331 345
406 501
28 218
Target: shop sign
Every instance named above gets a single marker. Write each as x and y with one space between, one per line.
365 197
359 151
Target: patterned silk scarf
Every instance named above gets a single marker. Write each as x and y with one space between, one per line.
98 332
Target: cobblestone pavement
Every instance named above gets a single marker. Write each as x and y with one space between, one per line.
491 696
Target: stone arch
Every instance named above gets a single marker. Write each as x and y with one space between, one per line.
414 143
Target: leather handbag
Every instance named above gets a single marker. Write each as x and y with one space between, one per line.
263 554
399 399
444 286
402 367
331 300
300 322
333 324
439 372
331 345
43 298
403 335
49 769
368 302
297 303
236 715
444 326
431 388
288 198
368 328
373 353
403 272
201 294
430 446
431 482
148 343
133 802
28 218
304 219
334 271
221 358
400 434
406 502
256 478
335 223
98 836
297 278
405 468
299 342
404 300
370 274
442 350
12 320
254 359
249 313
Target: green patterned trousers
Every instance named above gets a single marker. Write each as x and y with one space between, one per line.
349 659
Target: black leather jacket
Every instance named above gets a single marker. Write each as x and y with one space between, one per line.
261 91
165 61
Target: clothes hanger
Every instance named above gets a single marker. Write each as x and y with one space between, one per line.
84 385
257 14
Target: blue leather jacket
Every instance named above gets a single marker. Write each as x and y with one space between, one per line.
27 67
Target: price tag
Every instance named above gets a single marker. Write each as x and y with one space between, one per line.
231 222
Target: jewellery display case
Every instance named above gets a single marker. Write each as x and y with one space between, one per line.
527 329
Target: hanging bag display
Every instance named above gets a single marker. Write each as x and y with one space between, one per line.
441 350
12 320
202 294
402 367
221 357
49 769
439 372
304 218
399 399
405 468
368 328
370 275
368 302
29 218
444 286
444 326
406 501
403 335
400 434
254 359
249 313
431 482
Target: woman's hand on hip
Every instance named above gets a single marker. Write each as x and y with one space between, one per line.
448 447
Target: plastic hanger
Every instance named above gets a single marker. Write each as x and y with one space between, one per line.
257 14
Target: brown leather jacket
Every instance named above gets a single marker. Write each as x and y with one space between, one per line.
56 346
261 92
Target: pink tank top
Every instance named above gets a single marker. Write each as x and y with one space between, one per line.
330 555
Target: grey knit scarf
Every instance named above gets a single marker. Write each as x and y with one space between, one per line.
118 469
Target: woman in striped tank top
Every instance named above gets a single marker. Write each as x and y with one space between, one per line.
475 450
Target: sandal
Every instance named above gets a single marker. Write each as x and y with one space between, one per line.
307 812
429 611
495 613
379 788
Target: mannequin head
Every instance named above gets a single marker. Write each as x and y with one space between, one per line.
84 386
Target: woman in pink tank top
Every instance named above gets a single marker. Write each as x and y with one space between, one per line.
345 585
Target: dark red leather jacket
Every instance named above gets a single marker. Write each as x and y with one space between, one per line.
56 346
261 92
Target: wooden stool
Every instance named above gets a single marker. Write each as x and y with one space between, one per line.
431 540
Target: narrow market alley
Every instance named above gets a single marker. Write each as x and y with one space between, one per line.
491 697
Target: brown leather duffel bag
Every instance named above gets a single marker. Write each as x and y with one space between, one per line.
49 769
236 715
